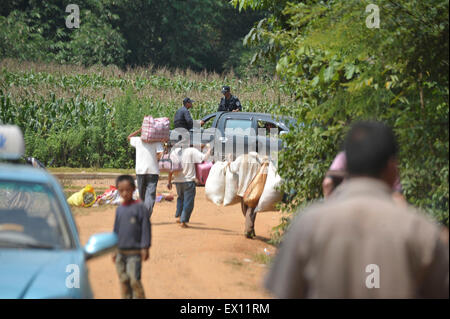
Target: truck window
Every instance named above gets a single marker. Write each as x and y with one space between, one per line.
232 126
208 121
269 128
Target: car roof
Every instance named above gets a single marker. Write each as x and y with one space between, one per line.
24 173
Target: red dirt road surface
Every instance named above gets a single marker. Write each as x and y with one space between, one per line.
211 259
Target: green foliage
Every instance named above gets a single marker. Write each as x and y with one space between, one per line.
83 119
95 42
341 71
20 40
240 62
196 34
39 33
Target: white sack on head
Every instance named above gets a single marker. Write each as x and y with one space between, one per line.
215 183
231 187
270 196
246 166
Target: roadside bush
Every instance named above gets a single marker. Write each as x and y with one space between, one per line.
341 71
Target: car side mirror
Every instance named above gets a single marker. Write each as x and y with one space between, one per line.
100 244
283 133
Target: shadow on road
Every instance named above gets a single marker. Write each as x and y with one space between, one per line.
263 239
163 223
210 228
190 226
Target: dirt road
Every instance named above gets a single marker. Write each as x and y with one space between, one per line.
211 259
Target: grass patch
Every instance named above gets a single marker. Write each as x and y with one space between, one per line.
262 258
234 262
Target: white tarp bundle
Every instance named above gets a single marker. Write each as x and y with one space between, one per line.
231 187
215 184
226 180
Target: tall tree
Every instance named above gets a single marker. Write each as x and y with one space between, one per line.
196 34
342 68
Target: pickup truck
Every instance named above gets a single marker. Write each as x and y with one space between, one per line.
237 133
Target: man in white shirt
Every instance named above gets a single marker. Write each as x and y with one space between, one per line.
147 168
184 181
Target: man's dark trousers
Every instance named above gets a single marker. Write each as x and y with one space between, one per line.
147 189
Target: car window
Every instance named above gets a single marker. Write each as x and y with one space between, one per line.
30 216
234 126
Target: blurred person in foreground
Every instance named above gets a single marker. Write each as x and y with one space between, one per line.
359 243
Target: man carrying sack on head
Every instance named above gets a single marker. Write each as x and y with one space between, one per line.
147 168
250 169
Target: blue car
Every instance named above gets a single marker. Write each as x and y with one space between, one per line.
40 251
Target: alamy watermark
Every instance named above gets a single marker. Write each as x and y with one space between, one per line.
73 19
73 279
373 280
373 19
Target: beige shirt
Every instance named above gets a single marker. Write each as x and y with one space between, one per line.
190 156
246 166
331 249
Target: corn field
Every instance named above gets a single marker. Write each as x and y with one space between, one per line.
80 117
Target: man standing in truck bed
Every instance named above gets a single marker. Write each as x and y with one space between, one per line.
229 103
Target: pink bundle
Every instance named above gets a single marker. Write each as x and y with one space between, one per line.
155 129
202 171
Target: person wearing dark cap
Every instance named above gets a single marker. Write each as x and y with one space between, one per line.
229 103
183 118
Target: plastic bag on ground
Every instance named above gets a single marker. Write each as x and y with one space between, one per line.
270 196
84 198
107 196
215 184
76 199
118 200
231 187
